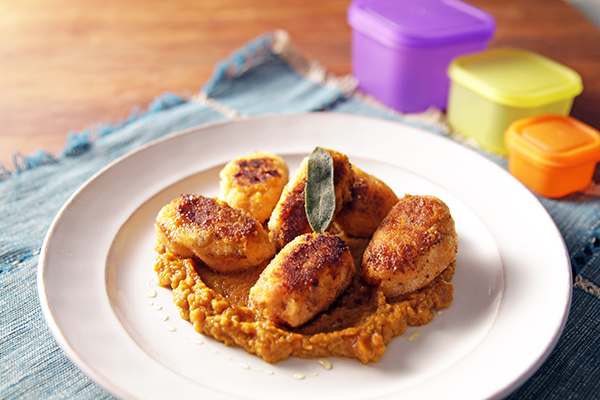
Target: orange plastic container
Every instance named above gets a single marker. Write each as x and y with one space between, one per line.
553 155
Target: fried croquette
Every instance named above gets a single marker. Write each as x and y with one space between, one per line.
372 199
254 183
289 219
224 238
305 278
415 242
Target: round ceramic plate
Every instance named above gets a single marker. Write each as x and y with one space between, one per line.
99 294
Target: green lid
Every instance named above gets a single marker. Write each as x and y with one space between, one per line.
515 77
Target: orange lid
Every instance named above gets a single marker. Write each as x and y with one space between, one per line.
554 140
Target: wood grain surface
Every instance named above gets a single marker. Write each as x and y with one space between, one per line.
67 65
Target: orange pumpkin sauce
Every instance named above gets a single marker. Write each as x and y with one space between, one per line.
358 325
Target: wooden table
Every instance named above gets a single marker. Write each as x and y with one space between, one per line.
66 65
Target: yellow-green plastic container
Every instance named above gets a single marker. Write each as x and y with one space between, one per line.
492 89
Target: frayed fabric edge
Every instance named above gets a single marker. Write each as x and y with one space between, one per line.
584 284
590 249
80 142
240 61
277 43
202 98
310 69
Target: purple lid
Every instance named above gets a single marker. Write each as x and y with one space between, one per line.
419 23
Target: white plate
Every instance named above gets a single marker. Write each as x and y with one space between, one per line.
512 283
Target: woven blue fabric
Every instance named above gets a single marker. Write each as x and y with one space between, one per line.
265 77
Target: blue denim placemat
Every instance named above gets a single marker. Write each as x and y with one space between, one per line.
265 77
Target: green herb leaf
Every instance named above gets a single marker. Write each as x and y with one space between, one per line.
320 190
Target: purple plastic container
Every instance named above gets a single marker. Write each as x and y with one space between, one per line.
401 49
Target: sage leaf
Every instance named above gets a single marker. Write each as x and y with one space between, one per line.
320 190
